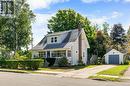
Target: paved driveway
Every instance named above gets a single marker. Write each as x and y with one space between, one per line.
86 72
127 74
17 79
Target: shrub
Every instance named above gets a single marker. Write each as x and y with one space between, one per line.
126 62
63 62
99 61
51 61
18 57
33 64
80 63
2 57
25 53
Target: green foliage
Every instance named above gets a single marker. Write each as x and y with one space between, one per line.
118 37
33 64
126 62
22 56
99 61
80 63
63 62
100 49
16 31
2 57
104 78
25 53
67 20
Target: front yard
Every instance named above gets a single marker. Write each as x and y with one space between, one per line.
112 74
52 69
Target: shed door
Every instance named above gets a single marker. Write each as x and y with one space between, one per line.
113 59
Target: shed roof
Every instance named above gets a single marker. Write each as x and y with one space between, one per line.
114 50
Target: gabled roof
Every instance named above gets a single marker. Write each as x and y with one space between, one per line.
113 50
71 36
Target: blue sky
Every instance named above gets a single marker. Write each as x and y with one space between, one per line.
97 11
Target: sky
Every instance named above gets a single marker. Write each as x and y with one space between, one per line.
97 11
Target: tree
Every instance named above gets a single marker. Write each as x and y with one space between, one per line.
67 20
107 39
118 36
99 43
18 28
128 41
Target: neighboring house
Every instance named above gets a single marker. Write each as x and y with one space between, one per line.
114 57
72 44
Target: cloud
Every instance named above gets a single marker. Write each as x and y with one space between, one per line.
116 14
127 0
39 28
39 4
101 20
93 1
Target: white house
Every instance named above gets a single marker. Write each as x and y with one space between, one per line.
114 57
72 44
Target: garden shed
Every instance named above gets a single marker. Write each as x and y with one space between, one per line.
114 57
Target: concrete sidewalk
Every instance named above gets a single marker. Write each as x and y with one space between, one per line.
86 72
49 72
127 74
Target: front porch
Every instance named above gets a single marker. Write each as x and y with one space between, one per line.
53 53
52 56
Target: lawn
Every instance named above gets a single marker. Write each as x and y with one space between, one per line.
54 69
104 78
115 71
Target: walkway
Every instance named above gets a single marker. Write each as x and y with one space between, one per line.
86 72
127 74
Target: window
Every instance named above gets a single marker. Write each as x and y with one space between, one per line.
55 39
52 40
83 54
58 53
41 54
69 53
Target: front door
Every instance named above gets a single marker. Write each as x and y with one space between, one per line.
48 54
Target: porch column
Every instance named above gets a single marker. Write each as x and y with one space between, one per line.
50 54
46 54
66 53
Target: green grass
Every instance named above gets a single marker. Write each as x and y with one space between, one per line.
115 71
91 66
15 70
55 69
104 78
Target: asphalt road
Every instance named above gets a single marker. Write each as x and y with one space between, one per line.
17 79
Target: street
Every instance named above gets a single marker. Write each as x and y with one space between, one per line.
18 79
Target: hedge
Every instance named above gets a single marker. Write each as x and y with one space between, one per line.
33 64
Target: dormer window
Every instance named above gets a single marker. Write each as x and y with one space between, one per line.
53 39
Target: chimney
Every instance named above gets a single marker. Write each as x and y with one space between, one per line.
80 44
